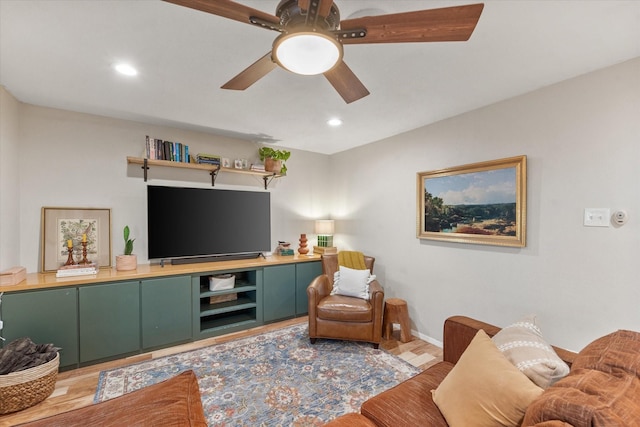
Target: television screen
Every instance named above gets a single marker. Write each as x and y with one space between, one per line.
196 222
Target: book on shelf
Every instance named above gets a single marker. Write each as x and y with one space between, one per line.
157 149
77 270
257 167
208 159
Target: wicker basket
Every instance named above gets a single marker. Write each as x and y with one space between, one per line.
22 389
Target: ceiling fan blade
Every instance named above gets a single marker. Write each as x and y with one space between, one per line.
434 25
251 74
228 9
346 83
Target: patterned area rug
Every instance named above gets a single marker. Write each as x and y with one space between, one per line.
273 379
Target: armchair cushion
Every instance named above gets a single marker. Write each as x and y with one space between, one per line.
345 309
352 283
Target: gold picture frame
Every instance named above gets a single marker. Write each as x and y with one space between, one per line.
62 224
483 203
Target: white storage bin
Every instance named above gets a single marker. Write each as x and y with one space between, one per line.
222 282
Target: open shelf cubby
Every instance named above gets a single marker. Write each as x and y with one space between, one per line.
237 307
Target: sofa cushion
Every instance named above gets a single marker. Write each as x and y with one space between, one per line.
602 389
351 420
174 402
409 403
522 343
484 388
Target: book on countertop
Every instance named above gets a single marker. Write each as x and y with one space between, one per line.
325 250
77 270
286 252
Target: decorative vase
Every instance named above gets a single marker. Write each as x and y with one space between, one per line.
303 249
271 165
126 262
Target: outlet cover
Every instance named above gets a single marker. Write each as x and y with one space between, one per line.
597 217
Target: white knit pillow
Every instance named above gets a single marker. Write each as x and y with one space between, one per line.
523 345
352 283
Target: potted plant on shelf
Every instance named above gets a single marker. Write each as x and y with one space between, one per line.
127 261
274 159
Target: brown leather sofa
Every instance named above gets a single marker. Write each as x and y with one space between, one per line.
601 390
174 402
343 317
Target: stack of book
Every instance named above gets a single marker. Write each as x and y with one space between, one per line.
77 270
157 149
208 159
325 250
257 167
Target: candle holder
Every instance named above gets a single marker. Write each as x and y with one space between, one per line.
70 260
84 261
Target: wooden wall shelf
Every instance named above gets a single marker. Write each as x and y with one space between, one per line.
267 177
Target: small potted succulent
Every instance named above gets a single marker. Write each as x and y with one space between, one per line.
274 159
128 261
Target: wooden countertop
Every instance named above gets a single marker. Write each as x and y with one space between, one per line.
145 271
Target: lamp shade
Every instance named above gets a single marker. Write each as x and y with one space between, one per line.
307 52
325 227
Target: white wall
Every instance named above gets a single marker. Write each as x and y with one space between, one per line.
71 159
9 199
582 140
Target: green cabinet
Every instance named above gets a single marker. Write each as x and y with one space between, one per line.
305 273
166 311
109 319
45 316
279 301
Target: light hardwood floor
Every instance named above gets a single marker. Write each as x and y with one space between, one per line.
76 388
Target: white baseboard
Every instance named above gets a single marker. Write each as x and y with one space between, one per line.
423 337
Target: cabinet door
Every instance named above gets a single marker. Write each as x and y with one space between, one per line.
109 320
279 292
49 316
166 311
305 273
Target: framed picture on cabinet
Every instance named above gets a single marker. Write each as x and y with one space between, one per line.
482 203
68 227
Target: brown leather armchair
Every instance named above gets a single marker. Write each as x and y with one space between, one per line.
342 317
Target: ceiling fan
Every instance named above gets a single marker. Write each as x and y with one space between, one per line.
312 36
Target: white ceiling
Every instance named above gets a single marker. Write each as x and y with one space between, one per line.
60 53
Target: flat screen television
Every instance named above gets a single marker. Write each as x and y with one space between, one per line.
196 224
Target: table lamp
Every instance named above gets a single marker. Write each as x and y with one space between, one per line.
325 229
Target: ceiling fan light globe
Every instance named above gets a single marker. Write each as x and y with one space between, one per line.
307 53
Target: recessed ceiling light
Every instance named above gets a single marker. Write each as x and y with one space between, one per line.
126 69
334 122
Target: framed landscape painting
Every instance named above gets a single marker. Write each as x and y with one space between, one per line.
61 225
482 203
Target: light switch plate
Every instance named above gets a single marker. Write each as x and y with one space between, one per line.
597 217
